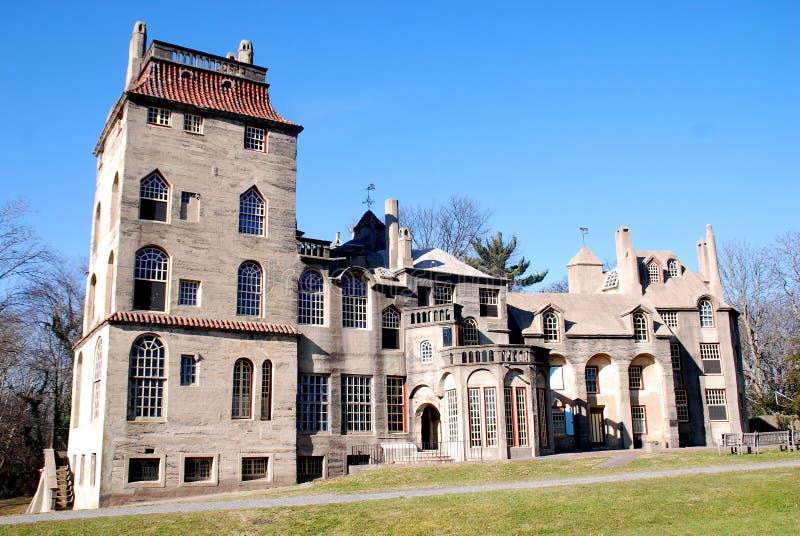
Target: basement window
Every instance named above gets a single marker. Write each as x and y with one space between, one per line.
143 469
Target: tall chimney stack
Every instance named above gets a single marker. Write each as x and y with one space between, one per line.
392 235
136 52
246 52
714 280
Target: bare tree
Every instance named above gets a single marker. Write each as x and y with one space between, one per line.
787 269
451 226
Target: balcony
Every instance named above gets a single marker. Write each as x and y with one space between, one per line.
430 315
310 247
490 353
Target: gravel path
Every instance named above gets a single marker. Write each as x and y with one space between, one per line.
331 498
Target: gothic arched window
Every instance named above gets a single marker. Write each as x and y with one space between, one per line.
248 289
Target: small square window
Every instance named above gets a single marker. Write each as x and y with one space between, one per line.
488 301
254 468
159 116
670 318
188 293
188 370
193 123
442 294
198 469
143 469
254 138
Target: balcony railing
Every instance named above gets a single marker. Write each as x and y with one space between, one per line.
489 353
431 314
319 249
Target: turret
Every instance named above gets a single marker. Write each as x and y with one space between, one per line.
246 52
136 52
584 272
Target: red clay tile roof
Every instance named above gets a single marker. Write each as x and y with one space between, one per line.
205 89
124 317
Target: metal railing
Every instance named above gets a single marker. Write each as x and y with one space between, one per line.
406 452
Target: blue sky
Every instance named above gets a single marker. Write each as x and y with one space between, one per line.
663 116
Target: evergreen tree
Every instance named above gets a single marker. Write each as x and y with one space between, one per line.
493 258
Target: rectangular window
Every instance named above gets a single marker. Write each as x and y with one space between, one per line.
188 370
638 420
254 139
475 434
254 468
488 301
556 377
635 378
522 417
508 406
96 399
541 397
670 318
309 468
190 206
188 293
451 401
559 422
197 469
682 405
423 296
395 404
93 469
447 337
591 380
675 355
490 401
312 403
442 294
357 403
193 123
709 354
143 469
354 312
159 116
717 407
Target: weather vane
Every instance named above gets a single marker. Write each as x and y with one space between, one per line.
584 232
369 201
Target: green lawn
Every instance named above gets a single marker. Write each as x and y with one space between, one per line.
765 502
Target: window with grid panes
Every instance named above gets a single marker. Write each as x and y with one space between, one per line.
706 311
451 402
150 274
153 198
638 420
611 280
97 374
559 422
242 402
248 289
675 357
541 396
193 123
143 469
640 327
654 273
310 299
266 390
522 416
188 292
674 268
390 329
254 138
312 403
354 302
591 380
188 372
146 378
159 116
717 406
670 318
682 405
709 355
426 352
550 322
357 403
395 404
309 468
635 378
442 294
470 332
254 468
508 406
490 409
197 469
475 434
252 213
488 301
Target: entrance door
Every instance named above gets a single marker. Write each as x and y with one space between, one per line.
597 427
430 428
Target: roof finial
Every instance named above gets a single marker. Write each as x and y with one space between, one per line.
584 232
369 201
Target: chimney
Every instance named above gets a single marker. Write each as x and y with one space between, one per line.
136 52
702 259
246 52
392 235
627 263
714 280
406 261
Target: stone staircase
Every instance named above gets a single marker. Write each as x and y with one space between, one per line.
64 494
407 452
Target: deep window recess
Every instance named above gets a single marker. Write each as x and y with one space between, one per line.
143 469
551 331
248 290
309 468
709 355
635 378
395 404
717 407
556 377
488 301
639 420
252 213
266 390
423 296
310 299
673 268
592 385
188 291
197 469
150 280
312 403
354 302
471 336
153 198
390 333
640 327
357 403
241 404
254 139
159 116
190 206
682 405
442 294
146 378
254 468
188 369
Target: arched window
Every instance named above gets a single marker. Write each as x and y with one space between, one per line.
90 298
640 327
551 331
470 332
426 352
76 400
109 284
354 302
654 272
97 374
146 378
242 389
248 290
266 390
706 314
310 299
251 213
153 198
114 199
390 334
150 280
673 268
612 280
97 230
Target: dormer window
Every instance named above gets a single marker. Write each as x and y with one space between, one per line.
550 327
640 332
706 314
654 273
674 268
612 280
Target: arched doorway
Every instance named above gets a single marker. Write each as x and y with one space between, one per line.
429 434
